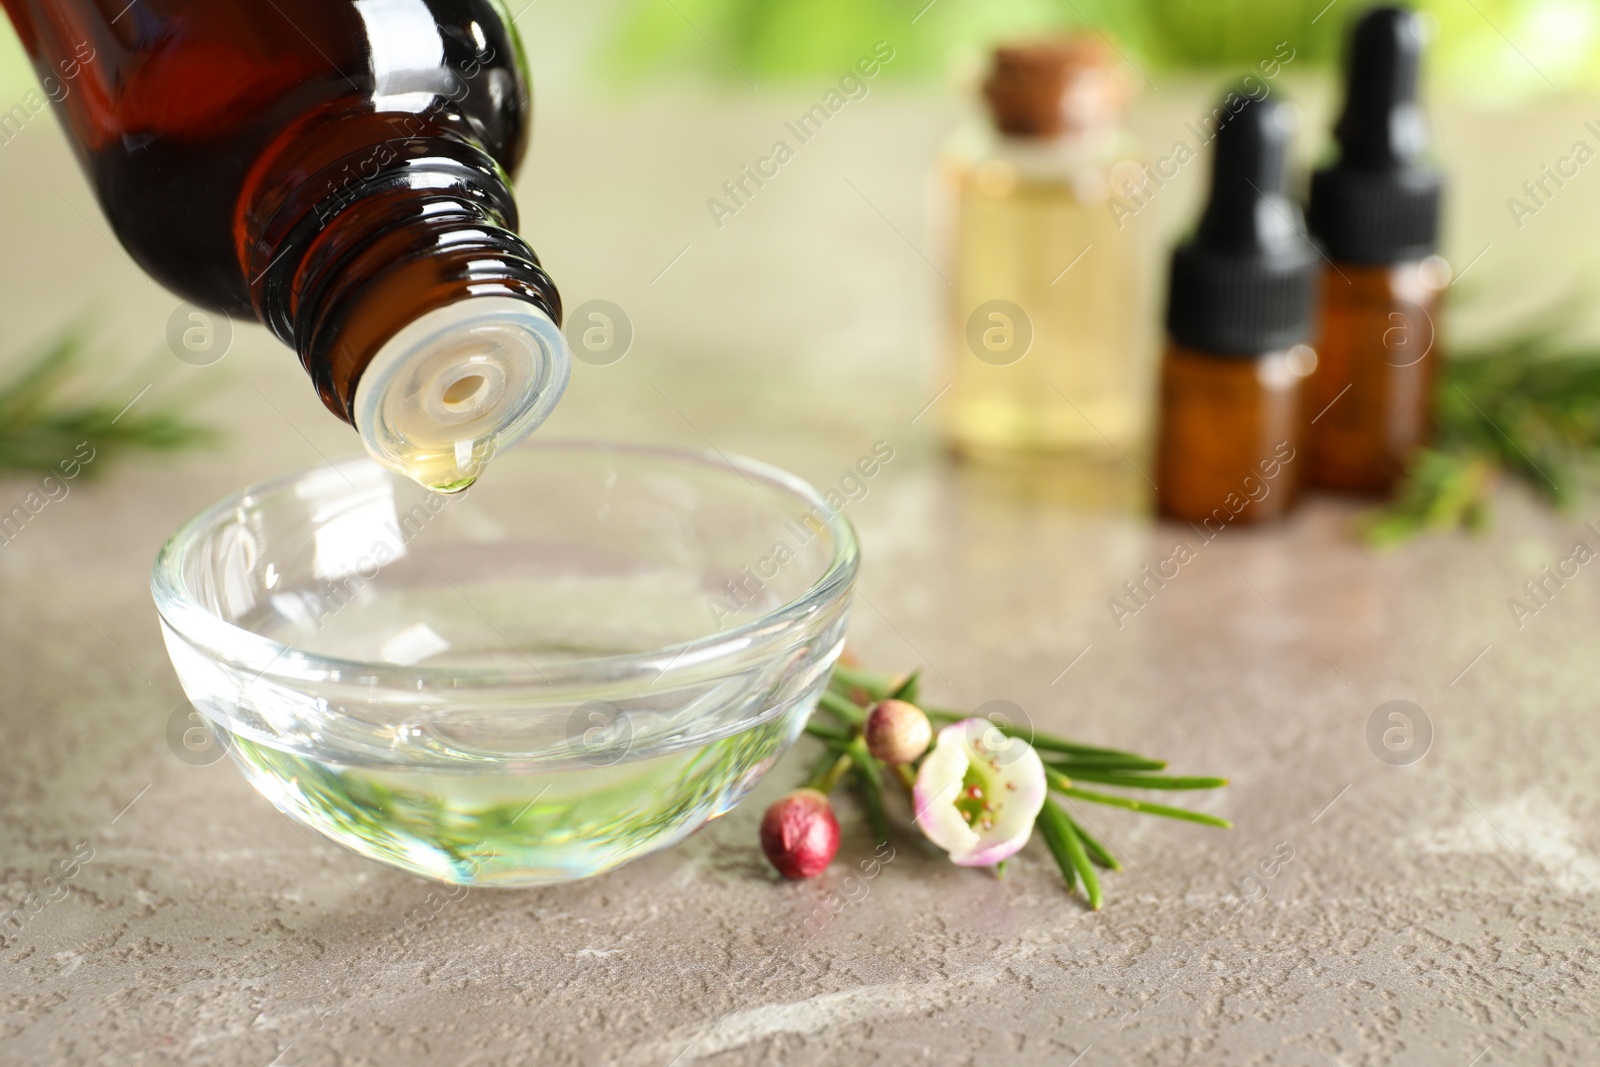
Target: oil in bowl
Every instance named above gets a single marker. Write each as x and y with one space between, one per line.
576 663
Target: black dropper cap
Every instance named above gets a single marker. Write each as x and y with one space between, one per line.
1380 202
1244 283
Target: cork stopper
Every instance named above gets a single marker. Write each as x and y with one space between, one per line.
1049 87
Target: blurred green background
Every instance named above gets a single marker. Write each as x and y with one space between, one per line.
1558 40
1489 50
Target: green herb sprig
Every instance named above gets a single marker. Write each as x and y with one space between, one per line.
1068 763
1527 407
44 417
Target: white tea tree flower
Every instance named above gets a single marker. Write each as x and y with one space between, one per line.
978 793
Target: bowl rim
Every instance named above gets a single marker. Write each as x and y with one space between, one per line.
235 645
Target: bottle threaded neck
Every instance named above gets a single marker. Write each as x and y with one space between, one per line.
421 316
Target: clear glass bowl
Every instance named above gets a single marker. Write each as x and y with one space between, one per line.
578 662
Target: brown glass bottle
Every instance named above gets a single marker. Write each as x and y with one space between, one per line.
1230 435
1370 402
338 169
1238 313
1376 211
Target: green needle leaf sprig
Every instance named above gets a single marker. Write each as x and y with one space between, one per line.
44 419
1527 407
842 715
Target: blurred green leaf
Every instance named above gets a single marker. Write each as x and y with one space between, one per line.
1495 49
1528 406
1442 491
45 417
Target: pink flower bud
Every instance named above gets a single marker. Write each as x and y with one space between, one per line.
799 834
897 732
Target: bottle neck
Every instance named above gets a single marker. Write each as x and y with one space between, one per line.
397 275
1070 145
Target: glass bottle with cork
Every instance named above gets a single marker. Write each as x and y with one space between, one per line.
339 170
1239 312
1045 348
1376 212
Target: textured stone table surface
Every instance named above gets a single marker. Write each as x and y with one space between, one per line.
1437 913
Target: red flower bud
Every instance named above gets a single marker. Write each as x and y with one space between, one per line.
799 834
897 732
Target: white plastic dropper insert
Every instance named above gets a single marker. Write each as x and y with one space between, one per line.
459 384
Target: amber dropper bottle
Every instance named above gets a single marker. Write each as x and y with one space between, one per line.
339 170
1238 314
1376 213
